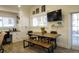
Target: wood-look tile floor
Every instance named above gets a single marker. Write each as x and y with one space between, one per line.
18 48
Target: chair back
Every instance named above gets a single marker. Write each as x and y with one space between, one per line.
30 32
53 32
45 31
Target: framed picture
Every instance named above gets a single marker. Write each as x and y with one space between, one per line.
43 8
33 12
37 10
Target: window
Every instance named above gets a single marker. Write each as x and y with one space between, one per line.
7 22
40 21
0 21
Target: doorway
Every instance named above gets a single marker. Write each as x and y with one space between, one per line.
75 31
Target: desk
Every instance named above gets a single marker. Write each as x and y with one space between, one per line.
50 37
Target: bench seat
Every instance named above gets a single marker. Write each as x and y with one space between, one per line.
39 43
46 45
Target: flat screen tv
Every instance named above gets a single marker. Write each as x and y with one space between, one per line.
54 15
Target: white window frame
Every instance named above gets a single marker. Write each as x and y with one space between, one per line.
8 26
40 25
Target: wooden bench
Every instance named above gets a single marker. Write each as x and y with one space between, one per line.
48 46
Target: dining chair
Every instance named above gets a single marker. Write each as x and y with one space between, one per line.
52 42
53 32
31 36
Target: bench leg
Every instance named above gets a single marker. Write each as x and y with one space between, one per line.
55 43
50 50
31 44
24 44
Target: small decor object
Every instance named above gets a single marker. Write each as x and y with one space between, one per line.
42 30
59 22
33 12
37 10
18 18
53 25
43 8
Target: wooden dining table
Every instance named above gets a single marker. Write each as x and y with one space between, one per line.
50 37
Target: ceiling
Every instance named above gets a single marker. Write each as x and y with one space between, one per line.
12 8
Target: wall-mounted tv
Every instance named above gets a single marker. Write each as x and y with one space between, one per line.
54 15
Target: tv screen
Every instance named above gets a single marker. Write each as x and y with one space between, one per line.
54 15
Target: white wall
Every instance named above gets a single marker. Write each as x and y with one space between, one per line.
8 14
64 41
24 13
9 8
23 25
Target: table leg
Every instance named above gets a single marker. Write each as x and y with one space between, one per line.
55 43
50 50
53 40
24 44
1 49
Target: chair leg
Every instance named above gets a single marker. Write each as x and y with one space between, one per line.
50 50
1 49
